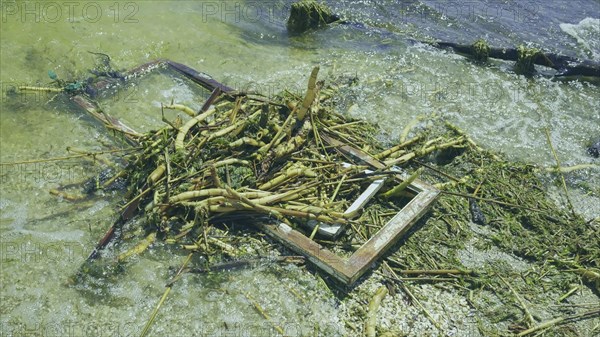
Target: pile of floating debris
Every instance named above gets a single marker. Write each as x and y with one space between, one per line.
321 184
291 165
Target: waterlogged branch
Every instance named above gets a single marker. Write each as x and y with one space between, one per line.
560 320
371 321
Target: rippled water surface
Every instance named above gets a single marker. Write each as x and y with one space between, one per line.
245 45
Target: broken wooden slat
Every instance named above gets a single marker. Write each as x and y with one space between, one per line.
349 270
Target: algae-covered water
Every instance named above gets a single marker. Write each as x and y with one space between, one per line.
44 239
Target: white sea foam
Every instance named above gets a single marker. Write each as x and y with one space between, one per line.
587 34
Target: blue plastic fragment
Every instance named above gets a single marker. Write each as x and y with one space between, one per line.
52 74
73 86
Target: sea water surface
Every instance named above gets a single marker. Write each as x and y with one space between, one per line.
244 44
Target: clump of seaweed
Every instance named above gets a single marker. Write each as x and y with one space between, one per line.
481 50
309 14
520 221
525 64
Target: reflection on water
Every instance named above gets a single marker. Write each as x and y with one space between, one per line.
44 239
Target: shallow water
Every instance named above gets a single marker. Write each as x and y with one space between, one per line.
244 45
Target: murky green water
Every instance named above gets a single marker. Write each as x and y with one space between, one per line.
44 239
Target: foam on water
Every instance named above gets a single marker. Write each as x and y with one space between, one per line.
587 34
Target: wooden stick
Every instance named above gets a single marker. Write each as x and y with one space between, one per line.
520 300
424 151
558 320
562 177
568 169
412 297
371 321
398 147
40 89
169 286
197 77
310 94
435 272
80 155
139 248
263 313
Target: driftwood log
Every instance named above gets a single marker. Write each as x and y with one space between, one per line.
565 65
